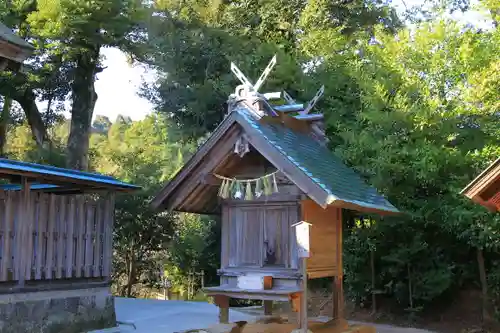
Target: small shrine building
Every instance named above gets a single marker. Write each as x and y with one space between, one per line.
263 169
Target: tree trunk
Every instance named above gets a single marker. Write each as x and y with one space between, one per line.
34 117
4 122
374 296
123 290
84 98
15 88
484 286
131 275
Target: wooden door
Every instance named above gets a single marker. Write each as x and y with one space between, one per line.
276 229
245 236
260 235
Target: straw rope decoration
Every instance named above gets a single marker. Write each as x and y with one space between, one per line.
247 189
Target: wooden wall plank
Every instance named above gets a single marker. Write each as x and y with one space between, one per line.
285 235
89 244
324 242
225 237
41 234
18 217
232 230
98 239
340 263
50 236
70 238
292 219
7 237
108 235
22 239
31 220
80 234
3 208
61 234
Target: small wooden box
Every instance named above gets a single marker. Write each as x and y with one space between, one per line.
255 282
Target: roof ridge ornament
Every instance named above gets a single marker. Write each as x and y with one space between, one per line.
246 82
313 101
260 106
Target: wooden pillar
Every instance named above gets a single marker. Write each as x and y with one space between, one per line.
296 301
338 298
268 305
303 303
268 308
223 303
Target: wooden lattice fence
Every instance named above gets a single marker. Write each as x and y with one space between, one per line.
49 236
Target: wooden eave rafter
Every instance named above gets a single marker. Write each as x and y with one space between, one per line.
13 52
163 198
485 188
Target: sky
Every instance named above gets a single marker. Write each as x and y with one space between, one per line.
118 85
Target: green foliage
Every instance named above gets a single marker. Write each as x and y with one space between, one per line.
414 110
194 247
140 153
416 132
193 42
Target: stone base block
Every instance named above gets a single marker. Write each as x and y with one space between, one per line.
71 311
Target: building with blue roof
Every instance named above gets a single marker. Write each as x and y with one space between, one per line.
56 228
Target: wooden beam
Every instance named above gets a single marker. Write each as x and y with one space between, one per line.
481 182
211 180
491 190
212 158
11 51
167 190
289 108
310 117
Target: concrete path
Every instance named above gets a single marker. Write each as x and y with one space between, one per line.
157 316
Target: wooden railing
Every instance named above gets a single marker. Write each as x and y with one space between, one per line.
48 236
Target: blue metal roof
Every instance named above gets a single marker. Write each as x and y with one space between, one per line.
67 176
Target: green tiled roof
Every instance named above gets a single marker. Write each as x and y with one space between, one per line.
11 37
319 163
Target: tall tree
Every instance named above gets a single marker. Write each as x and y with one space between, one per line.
424 124
69 36
193 42
142 153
